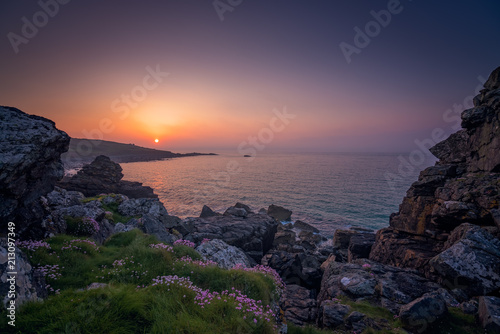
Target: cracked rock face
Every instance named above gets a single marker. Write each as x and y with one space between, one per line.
30 165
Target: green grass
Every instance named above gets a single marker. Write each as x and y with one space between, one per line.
129 303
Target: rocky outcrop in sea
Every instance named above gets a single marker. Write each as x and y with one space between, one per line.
104 176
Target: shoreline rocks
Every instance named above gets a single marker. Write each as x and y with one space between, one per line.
104 176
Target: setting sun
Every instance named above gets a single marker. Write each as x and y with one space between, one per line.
156 140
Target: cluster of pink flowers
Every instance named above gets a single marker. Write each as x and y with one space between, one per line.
367 265
202 263
248 306
50 271
32 245
184 243
168 248
176 280
267 271
205 240
51 289
70 245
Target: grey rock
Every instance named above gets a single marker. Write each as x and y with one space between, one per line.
151 225
225 255
254 233
237 212
143 206
423 312
356 321
243 206
61 197
30 166
392 287
295 268
332 314
489 313
207 212
474 117
473 257
29 283
454 149
300 225
279 213
119 228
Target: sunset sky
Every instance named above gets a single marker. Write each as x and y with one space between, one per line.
225 77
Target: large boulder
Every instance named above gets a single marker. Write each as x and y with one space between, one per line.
225 255
253 233
30 166
423 312
463 187
105 176
279 213
154 218
471 261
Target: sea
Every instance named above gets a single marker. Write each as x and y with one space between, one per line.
328 191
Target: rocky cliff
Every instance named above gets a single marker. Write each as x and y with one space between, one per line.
30 165
463 187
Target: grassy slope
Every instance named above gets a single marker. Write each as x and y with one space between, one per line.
122 307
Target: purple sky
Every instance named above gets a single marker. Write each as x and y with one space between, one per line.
88 67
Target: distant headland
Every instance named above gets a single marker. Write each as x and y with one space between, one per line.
84 151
